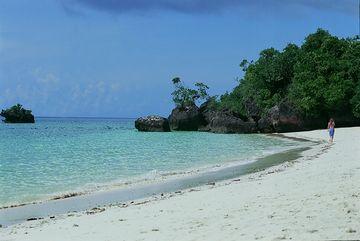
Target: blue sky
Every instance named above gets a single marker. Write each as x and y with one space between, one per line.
108 58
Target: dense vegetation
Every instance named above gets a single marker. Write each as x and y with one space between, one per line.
319 78
17 114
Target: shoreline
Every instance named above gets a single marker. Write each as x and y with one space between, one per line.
84 201
315 197
162 176
233 155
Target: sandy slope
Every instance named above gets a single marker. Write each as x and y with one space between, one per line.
316 198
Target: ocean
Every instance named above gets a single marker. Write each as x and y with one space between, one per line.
57 156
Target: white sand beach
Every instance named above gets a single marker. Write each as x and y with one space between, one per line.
317 197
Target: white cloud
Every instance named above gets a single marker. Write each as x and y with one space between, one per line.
48 94
44 77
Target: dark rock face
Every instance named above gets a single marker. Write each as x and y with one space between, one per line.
253 111
152 124
343 120
281 118
206 114
186 118
223 121
226 122
17 114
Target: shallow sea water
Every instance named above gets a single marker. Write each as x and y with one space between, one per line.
61 155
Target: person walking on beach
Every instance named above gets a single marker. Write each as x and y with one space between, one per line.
331 129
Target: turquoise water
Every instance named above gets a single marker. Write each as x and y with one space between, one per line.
61 155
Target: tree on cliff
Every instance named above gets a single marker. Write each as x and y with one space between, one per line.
265 82
320 78
17 114
184 96
326 74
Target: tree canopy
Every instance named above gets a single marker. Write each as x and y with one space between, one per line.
184 96
320 78
17 114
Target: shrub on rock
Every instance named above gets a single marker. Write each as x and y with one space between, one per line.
17 114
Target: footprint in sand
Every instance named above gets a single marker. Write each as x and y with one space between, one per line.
280 238
350 230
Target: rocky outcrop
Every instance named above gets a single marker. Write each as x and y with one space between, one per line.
187 118
206 115
226 122
253 110
223 121
152 124
17 114
281 118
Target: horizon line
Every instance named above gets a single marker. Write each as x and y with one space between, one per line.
89 117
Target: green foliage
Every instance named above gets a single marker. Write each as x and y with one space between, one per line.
17 114
318 78
355 101
325 75
184 96
265 81
213 103
233 101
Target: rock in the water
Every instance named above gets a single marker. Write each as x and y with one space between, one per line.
17 114
281 118
152 123
185 118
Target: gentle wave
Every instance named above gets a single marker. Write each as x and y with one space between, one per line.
151 177
62 157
